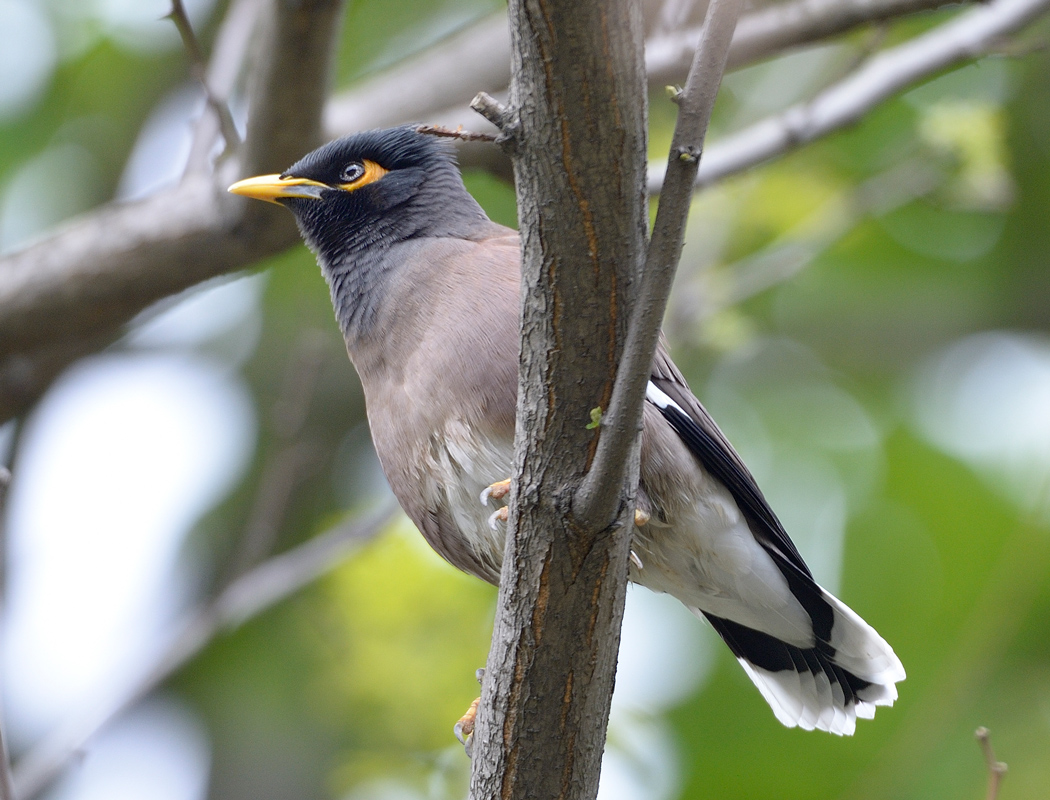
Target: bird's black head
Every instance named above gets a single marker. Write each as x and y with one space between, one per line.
360 196
371 190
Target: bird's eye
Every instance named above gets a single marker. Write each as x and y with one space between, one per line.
351 172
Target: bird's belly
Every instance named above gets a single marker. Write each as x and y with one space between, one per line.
705 555
466 464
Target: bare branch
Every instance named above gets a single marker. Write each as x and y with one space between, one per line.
7 791
695 104
245 598
224 69
760 34
492 110
968 36
92 276
996 768
478 58
458 134
776 28
99 271
200 71
446 75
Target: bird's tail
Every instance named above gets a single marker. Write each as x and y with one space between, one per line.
824 687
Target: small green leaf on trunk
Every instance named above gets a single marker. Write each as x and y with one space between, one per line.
596 418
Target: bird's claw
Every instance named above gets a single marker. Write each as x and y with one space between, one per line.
499 515
496 491
464 728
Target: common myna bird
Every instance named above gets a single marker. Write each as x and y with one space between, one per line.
425 288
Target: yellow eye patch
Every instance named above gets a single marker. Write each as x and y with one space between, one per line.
372 173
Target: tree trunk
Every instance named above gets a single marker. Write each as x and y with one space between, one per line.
577 134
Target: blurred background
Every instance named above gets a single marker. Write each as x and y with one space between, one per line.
868 319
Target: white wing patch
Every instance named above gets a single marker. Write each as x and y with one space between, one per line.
660 399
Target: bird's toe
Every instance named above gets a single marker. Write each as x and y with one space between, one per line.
496 491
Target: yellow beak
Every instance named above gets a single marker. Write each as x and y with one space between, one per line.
272 188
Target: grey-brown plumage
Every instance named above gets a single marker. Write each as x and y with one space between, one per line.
425 288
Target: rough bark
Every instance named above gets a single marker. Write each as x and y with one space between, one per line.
577 129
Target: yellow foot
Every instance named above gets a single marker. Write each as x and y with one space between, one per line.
496 491
464 729
640 517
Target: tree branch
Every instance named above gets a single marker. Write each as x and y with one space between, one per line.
445 75
293 74
7 791
245 598
996 768
494 111
776 28
621 425
95 274
759 35
967 36
200 71
224 70
478 59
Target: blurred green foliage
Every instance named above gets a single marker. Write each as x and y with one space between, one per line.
811 291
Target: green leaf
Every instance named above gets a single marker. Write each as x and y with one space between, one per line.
596 418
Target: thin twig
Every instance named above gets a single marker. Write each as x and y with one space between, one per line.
7 791
966 37
7 787
200 71
996 768
244 599
695 104
455 133
776 28
229 52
